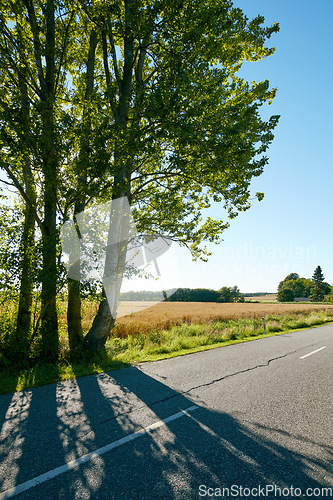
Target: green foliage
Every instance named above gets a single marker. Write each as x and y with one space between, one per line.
326 287
295 286
194 295
285 295
138 99
318 277
300 287
229 294
225 294
317 293
10 233
329 297
290 277
320 288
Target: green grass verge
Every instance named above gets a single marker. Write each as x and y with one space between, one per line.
153 346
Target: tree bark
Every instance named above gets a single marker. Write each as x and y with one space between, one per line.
74 323
49 320
102 326
105 318
23 323
115 260
28 257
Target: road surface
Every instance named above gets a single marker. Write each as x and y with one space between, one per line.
251 420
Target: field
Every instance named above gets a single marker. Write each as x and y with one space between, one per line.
149 331
271 297
156 316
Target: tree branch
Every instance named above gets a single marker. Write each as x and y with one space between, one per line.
108 76
63 51
22 192
37 47
113 52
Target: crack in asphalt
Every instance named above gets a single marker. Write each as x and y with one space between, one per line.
179 393
264 365
207 384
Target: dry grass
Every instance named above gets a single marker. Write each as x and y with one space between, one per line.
164 315
268 297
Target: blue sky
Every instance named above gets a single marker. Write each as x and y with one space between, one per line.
291 229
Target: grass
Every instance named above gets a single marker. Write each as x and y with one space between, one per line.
155 344
167 314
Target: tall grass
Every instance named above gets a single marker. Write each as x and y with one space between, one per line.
151 344
141 342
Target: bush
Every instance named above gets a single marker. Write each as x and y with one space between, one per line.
317 293
285 295
194 295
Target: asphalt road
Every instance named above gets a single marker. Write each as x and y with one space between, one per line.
257 424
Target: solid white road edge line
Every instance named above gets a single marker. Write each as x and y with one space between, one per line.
313 352
97 453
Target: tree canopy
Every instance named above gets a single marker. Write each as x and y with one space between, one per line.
131 99
293 286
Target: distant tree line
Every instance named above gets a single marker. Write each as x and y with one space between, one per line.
225 294
146 295
314 289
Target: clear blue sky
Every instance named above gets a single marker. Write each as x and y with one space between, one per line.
291 230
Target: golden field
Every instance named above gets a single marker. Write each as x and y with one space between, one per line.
166 314
269 297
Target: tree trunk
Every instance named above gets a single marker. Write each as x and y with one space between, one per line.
102 326
74 323
114 266
106 314
23 323
28 257
49 318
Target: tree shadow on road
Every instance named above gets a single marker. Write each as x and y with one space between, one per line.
55 424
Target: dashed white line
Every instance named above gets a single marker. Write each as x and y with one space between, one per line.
313 352
86 458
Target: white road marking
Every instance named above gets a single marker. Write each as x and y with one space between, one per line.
313 352
86 458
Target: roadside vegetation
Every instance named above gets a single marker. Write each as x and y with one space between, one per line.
151 344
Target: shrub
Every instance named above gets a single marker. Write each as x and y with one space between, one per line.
285 295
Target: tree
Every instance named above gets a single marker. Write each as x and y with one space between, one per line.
194 295
241 298
155 112
318 277
317 293
33 48
75 332
329 297
285 295
229 294
184 129
319 287
301 287
290 277
16 137
326 288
